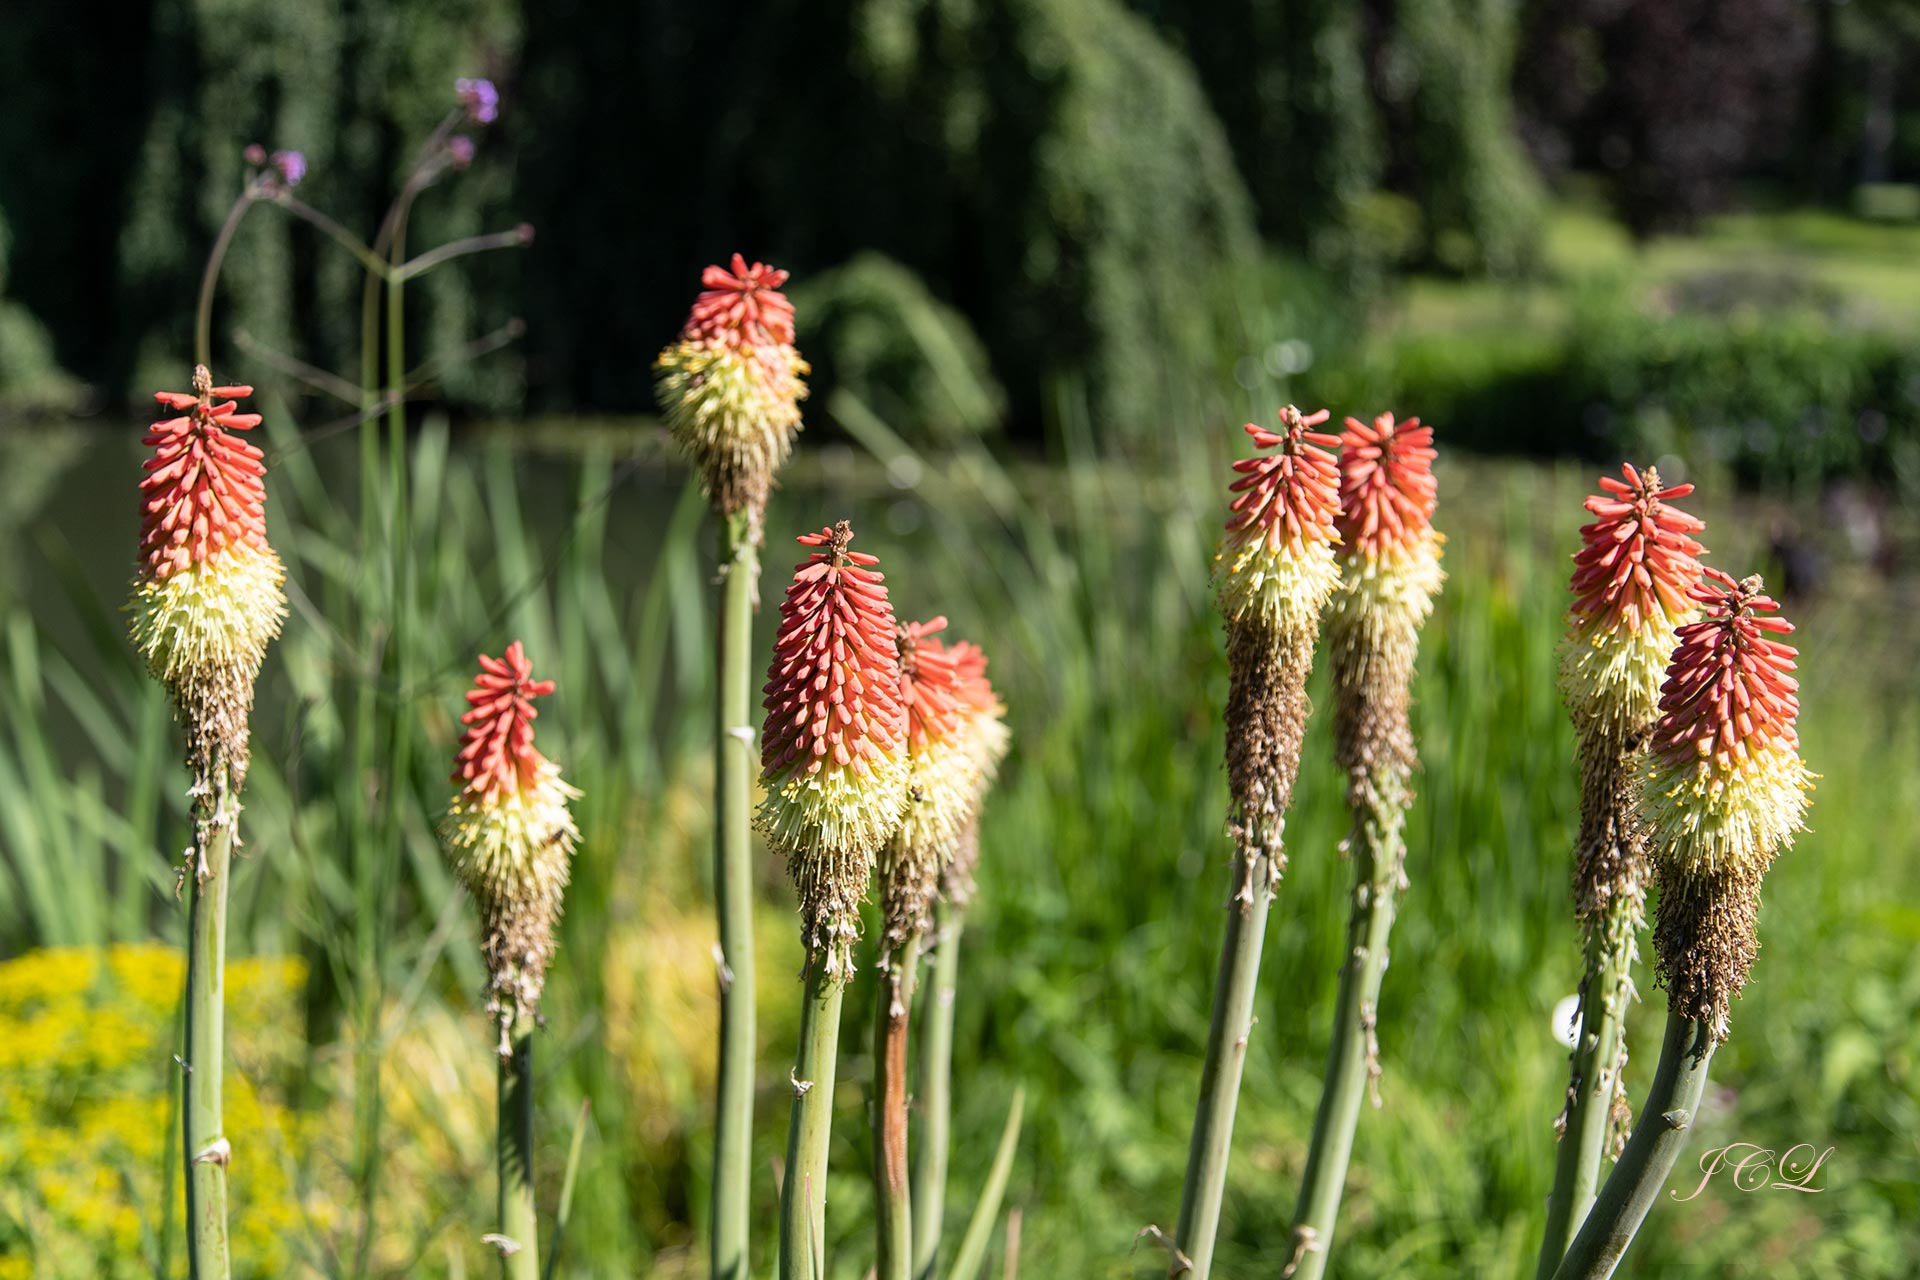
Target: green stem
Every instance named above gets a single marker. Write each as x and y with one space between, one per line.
935 1091
892 1199
803 1193
1227 1035
1665 1121
210 277
515 239
733 749
206 1146
1594 1077
369 260
520 1250
1352 1060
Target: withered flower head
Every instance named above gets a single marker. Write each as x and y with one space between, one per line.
1275 568
1389 577
731 386
206 595
1632 576
834 750
510 834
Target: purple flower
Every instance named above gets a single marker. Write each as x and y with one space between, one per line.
292 167
480 98
460 149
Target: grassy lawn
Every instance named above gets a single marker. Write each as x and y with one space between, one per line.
1874 265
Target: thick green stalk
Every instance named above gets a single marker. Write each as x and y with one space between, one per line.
733 750
520 1248
892 1198
935 1091
1352 1060
803 1192
1227 1035
1606 991
206 1147
1662 1131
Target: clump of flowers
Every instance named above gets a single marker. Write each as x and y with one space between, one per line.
1724 791
207 595
1274 573
510 834
478 98
1390 574
834 753
732 383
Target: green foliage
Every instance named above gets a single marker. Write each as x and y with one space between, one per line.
1289 84
1083 978
1099 193
1448 80
898 350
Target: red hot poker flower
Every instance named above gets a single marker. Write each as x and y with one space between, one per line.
931 684
1276 564
496 754
1387 491
834 750
742 305
1725 787
1639 556
203 491
1729 692
833 695
1290 496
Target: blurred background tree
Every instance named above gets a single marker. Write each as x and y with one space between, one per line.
1089 195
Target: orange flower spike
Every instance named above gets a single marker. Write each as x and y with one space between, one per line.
1632 582
1390 576
731 386
743 306
207 594
509 832
1275 568
1387 490
834 752
496 752
1726 787
1639 560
